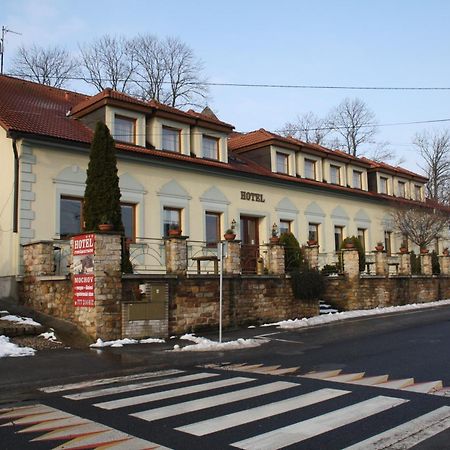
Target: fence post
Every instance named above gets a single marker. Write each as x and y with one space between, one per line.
176 254
426 267
276 259
381 263
312 256
232 260
405 264
351 263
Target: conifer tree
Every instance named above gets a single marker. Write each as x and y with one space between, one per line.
102 193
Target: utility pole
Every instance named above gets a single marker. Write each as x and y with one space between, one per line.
2 45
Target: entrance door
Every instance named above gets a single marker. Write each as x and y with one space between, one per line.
250 243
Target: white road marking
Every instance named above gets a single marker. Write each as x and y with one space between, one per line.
346 377
215 400
371 381
306 429
397 384
425 388
322 375
103 381
410 433
138 400
139 386
261 412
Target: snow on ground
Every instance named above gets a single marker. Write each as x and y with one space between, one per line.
206 345
50 336
10 349
333 317
21 320
121 342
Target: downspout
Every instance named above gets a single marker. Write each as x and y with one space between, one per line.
16 188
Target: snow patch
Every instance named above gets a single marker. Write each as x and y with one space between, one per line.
21 320
9 349
327 318
206 345
50 336
121 342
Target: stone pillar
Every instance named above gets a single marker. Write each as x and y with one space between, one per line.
312 256
425 264
276 259
381 263
176 255
39 258
405 264
108 286
444 261
232 260
351 263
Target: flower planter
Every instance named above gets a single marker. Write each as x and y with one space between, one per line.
175 232
379 248
349 245
229 236
105 227
312 242
424 251
274 240
403 250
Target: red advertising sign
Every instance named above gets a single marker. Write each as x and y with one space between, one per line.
83 280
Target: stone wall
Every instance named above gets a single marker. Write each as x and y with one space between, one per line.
380 291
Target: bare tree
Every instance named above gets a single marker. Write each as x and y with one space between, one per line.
108 62
307 128
382 152
434 148
354 124
168 72
422 225
52 66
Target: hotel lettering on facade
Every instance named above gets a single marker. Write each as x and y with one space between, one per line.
182 168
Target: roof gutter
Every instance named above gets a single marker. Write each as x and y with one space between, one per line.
16 187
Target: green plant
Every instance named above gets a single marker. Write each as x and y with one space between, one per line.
293 255
307 285
435 266
101 202
328 269
229 231
358 246
415 264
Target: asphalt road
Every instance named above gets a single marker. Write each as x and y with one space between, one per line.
246 401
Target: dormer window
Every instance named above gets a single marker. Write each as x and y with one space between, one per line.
282 163
125 129
401 189
383 185
171 139
357 179
335 174
310 169
418 192
210 147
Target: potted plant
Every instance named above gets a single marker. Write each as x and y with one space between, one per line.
445 252
274 238
311 242
423 249
229 235
105 224
174 229
379 247
403 248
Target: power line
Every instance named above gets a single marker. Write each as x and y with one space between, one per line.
253 85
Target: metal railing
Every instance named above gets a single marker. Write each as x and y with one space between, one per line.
148 255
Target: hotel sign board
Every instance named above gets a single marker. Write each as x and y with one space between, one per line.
83 281
252 197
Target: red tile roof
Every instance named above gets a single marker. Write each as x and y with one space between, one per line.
396 169
35 109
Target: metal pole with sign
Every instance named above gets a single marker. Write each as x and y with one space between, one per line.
220 257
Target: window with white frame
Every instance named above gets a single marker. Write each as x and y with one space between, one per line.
338 237
125 129
362 237
310 169
282 163
210 147
171 219
313 232
71 217
285 226
383 185
335 174
388 242
401 189
212 227
171 139
357 179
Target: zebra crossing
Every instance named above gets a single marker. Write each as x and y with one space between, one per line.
204 408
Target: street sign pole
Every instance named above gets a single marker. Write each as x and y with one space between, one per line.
220 256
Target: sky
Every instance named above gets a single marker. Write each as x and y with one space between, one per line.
403 43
